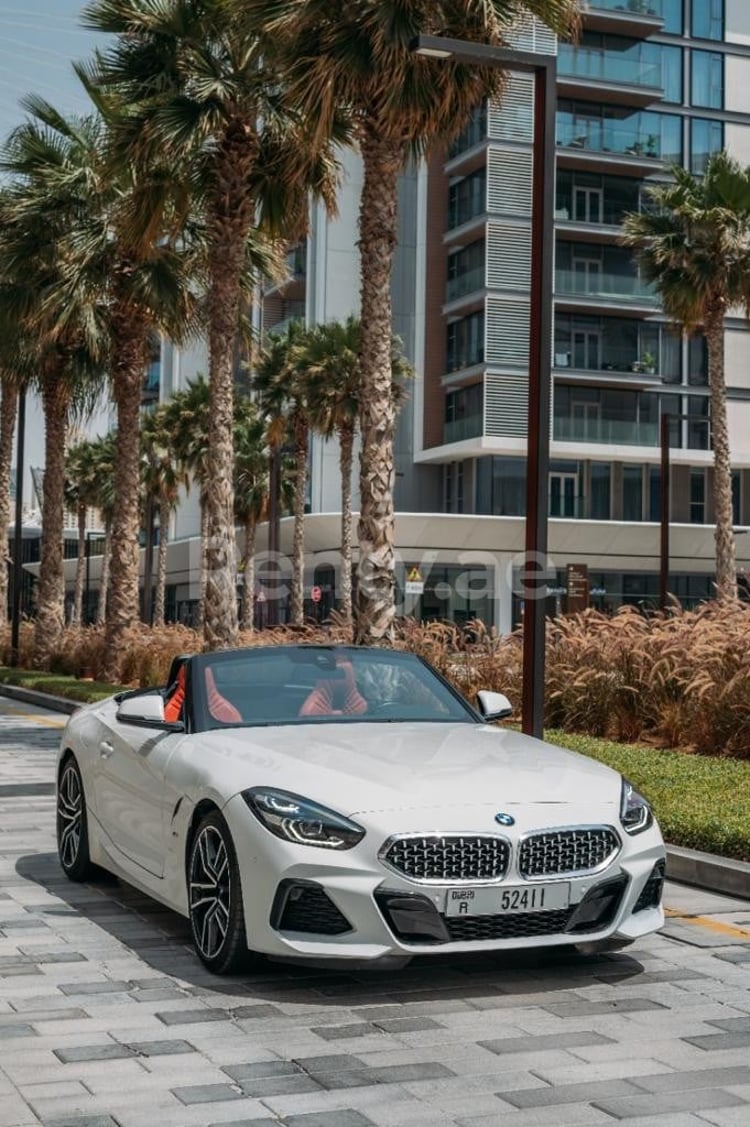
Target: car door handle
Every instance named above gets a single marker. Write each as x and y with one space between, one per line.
106 749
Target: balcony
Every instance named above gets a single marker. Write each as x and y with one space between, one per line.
610 289
612 432
636 18
608 140
458 430
471 281
617 74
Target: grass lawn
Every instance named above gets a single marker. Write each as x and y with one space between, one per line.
702 802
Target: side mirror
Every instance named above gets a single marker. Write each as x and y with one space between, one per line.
146 711
494 706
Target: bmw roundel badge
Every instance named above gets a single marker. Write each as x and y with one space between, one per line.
505 819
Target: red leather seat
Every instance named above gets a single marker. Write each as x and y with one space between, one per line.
337 696
219 707
173 706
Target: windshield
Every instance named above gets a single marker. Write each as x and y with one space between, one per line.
311 684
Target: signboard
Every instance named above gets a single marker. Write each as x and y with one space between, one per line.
414 581
316 594
578 588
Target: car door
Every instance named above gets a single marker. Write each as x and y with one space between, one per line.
131 761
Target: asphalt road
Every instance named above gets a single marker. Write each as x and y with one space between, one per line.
107 1018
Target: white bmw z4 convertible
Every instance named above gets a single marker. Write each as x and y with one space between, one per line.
332 802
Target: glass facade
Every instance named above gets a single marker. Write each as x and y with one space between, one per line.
464 413
596 199
465 342
466 270
707 79
616 344
467 199
706 138
600 270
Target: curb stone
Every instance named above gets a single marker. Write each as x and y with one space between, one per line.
686 866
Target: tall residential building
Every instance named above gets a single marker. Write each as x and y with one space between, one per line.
650 84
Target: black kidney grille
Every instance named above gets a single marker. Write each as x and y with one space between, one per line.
524 925
558 852
449 858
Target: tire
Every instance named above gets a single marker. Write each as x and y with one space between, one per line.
72 825
215 898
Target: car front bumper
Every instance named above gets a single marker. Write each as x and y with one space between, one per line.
316 904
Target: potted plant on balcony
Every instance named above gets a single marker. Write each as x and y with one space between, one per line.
648 363
651 143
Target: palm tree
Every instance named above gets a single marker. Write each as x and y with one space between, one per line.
330 360
356 58
104 455
282 392
57 316
162 478
694 245
197 76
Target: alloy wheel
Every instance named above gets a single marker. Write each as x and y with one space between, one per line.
210 892
70 813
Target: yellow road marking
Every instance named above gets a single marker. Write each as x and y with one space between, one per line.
710 925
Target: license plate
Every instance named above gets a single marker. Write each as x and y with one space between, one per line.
507 901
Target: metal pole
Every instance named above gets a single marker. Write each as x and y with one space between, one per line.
664 513
148 560
540 380
274 535
18 531
86 615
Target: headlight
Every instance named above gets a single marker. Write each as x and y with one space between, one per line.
300 820
635 812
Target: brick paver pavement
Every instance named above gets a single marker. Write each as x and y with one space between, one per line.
107 1018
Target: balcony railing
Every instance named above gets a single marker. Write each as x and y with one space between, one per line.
614 432
457 430
462 211
630 7
614 67
611 137
469 282
607 287
465 358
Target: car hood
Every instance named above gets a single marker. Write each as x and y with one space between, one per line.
359 768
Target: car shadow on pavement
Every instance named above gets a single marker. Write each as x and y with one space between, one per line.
162 940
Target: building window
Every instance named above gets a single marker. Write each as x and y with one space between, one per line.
466 270
448 487
671 73
698 362
699 426
708 19
707 79
465 342
467 198
654 494
632 493
673 16
464 413
697 496
601 485
706 138
459 487
736 496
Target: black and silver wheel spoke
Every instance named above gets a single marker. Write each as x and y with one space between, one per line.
210 892
69 811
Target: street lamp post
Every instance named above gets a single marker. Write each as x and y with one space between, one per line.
15 627
544 70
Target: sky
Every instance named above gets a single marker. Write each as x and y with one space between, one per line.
39 39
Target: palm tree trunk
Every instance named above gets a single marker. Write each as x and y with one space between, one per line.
131 355
204 562
101 613
8 412
161 561
77 616
346 447
248 586
726 568
232 213
50 609
301 445
378 234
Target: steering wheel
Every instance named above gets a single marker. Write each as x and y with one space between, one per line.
390 702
